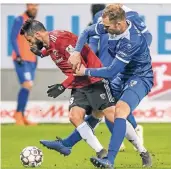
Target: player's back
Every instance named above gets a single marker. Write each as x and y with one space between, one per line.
62 44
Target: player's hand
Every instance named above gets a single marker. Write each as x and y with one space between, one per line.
55 90
81 71
75 60
19 60
36 51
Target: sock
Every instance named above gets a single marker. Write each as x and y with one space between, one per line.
132 120
87 134
75 137
109 125
117 138
132 136
22 99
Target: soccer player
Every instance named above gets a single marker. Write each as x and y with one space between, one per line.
25 63
131 65
99 44
87 93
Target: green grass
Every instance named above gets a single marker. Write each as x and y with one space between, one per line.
15 138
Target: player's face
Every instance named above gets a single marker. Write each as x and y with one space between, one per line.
111 27
32 9
35 41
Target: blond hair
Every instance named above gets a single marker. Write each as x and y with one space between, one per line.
114 12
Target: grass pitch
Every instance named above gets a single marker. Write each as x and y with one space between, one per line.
15 138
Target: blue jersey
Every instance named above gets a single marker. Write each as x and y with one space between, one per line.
129 50
102 40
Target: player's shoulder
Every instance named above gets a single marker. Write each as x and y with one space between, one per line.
131 36
97 17
19 19
58 35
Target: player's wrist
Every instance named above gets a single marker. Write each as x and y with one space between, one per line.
87 72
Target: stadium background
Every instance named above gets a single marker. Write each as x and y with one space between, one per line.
154 108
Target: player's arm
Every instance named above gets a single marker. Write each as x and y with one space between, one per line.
122 58
94 40
57 89
93 43
95 29
75 58
14 33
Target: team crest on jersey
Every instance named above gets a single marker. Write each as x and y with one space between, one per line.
103 96
70 49
133 83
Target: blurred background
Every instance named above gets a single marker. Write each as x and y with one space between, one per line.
154 108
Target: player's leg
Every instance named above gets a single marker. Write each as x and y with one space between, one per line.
75 137
137 128
123 107
31 69
24 77
83 128
78 107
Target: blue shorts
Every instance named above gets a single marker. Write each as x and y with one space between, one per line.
131 90
26 71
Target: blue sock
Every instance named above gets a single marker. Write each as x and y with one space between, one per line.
75 137
109 125
22 99
132 120
117 138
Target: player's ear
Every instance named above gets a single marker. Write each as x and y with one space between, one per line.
37 34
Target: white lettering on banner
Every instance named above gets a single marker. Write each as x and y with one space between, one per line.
57 112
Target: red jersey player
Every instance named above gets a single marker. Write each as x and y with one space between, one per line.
87 92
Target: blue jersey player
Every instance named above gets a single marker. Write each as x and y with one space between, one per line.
131 68
25 63
99 44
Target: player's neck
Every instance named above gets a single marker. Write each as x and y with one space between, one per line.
46 39
124 27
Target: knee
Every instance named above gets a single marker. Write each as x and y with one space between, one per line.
122 110
76 116
28 85
98 114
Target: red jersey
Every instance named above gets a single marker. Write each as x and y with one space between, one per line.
62 44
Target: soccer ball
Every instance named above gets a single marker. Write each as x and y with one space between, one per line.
31 157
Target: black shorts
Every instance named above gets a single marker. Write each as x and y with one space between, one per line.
96 96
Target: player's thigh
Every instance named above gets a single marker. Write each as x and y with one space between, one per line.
23 72
116 86
98 114
76 115
100 98
99 95
135 90
79 99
